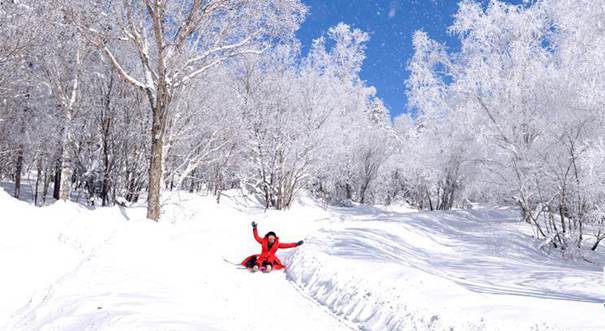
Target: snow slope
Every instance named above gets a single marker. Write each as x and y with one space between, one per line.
66 267
458 270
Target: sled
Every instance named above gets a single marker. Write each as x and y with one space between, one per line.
239 266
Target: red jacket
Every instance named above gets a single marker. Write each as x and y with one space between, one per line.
266 253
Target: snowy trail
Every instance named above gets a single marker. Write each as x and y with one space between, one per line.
143 276
70 268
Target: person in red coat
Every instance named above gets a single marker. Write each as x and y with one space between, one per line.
267 260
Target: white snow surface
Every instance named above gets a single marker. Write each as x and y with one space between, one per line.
68 267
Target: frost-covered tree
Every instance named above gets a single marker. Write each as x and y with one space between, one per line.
176 42
528 97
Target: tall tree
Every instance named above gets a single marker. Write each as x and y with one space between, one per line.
177 41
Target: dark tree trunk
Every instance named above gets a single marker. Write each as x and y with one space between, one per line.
348 191
267 198
597 242
19 165
363 189
38 175
57 186
106 127
106 168
46 183
192 184
18 171
428 196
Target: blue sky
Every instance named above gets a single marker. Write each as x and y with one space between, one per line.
391 24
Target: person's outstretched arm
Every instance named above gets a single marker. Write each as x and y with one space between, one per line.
290 245
255 233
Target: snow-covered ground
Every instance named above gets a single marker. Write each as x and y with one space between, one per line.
67 267
459 270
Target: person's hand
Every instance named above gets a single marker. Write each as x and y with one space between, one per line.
299 243
254 225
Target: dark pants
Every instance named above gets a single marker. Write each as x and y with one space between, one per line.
252 262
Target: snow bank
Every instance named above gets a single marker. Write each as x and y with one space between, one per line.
460 270
41 247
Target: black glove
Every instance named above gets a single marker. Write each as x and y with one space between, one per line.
254 225
299 243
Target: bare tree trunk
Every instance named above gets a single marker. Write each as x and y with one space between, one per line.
39 174
18 170
597 242
68 106
65 189
46 183
113 192
106 165
267 200
155 172
157 146
19 165
362 190
105 131
105 188
219 192
192 186
349 192
57 183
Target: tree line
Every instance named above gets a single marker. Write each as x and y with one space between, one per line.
116 101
